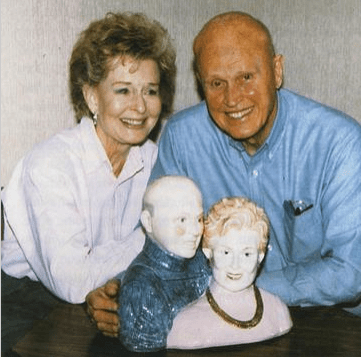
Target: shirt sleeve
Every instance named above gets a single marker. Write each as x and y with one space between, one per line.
144 314
52 226
334 276
168 161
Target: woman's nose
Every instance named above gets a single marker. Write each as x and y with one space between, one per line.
236 261
139 103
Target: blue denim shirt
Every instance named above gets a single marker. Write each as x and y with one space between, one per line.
154 288
311 159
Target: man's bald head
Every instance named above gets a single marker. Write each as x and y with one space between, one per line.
230 24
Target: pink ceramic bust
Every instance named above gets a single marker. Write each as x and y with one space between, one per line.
233 311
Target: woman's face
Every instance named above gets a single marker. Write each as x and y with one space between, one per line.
235 258
127 103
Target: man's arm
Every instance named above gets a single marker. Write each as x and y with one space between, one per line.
335 275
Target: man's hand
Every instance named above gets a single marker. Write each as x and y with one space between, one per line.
102 306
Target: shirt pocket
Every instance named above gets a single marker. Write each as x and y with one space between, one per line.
303 232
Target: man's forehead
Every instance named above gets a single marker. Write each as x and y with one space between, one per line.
217 36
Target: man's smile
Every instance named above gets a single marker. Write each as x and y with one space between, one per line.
240 114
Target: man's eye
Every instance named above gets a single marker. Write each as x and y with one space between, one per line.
226 252
216 83
247 76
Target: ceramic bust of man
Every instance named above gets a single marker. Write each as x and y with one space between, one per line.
233 310
170 271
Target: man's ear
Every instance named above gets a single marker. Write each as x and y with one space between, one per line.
278 61
146 219
207 252
90 98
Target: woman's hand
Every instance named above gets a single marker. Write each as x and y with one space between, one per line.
102 306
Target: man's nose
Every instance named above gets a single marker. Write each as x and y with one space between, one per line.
196 228
233 94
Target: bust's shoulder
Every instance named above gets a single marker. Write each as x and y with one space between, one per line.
276 312
271 300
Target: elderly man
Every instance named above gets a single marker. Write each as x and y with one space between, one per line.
298 159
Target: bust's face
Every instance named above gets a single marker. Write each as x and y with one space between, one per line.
235 258
177 222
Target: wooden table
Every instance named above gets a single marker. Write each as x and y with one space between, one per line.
323 332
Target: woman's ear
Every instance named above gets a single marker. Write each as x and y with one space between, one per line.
146 219
207 252
90 97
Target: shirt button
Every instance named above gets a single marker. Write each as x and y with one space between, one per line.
269 247
255 173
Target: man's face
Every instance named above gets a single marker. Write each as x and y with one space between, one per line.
235 258
240 79
177 222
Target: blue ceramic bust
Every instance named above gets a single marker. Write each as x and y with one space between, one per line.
171 271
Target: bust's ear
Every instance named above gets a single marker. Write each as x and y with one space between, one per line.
207 252
146 219
260 257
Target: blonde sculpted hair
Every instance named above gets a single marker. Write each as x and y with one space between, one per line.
235 212
121 35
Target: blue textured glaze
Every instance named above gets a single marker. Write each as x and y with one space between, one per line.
154 288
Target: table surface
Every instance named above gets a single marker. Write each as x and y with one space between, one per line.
323 332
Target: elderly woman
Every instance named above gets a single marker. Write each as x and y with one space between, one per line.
73 204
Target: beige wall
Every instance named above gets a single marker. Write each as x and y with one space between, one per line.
321 41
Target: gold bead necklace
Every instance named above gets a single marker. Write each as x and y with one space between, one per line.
240 324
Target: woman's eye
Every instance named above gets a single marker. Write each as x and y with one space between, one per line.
153 92
122 90
248 254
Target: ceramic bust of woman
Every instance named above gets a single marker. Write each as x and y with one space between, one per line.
233 310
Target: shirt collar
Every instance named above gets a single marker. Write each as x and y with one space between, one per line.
95 155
